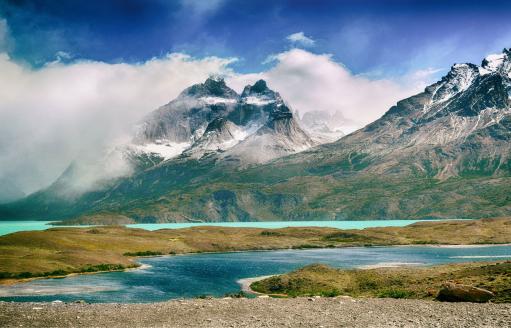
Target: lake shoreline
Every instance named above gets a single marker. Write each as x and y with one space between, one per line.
139 266
39 225
30 255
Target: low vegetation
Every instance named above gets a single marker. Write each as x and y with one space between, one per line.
60 272
402 282
59 251
143 253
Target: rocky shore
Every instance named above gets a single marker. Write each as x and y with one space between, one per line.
259 312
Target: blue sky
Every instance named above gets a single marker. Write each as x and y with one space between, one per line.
379 37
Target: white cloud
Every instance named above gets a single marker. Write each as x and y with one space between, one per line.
4 34
310 82
301 39
64 111
60 112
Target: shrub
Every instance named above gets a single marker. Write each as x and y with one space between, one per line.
330 293
240 294
394 293
270 233
103 267
143 253
5 275
204 297
306 246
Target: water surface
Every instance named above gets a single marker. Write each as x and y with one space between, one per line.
7 227
187 276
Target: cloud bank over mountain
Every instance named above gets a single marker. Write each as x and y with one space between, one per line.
61 112
312 82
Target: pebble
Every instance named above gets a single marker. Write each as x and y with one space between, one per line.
260 312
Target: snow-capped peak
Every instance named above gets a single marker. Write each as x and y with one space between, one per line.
459 79
259 94
497 63
212 87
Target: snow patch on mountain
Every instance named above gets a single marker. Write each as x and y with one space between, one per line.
500 63
453 127
219 136
492 63
217 100
163 148
257 101
459 79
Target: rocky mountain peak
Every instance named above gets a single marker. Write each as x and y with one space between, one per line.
497 63
459 78
259 94
210 117
218 124
258 88
467 101
212 87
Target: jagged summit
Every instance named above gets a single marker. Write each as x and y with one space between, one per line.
467 90
210 116
500 63
259 94
260 88
213 87
464 117
220 134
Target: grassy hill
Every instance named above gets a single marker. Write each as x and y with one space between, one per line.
60 251
406 282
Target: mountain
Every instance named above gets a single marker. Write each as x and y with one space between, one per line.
211 118
324 126
9 191
207 121
443 153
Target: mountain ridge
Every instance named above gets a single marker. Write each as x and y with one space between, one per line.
443 153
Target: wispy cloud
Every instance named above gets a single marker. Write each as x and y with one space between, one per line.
201 8
300 38
311 81
65 111
4 35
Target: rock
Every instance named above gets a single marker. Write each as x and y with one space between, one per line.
451 292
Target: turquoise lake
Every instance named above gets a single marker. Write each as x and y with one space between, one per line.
7 227
187 276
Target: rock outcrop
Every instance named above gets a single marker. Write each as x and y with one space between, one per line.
451 292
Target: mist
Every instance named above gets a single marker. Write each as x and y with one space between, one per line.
65 112
315 82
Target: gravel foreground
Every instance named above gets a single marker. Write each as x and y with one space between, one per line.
259 312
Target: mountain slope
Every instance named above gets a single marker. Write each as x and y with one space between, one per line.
9 191
444 153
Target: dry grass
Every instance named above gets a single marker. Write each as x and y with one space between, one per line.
73 249
409 282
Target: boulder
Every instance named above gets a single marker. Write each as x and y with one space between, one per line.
451 292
